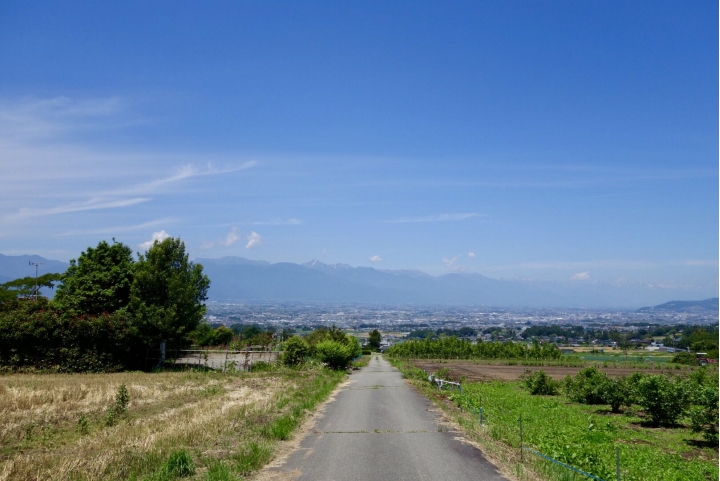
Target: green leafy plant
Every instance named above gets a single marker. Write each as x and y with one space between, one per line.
662 398
539 383
586 387
83 425
296 351
334 353
119 407
684 358
617 393
180 464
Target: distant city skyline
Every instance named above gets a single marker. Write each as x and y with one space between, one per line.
560 141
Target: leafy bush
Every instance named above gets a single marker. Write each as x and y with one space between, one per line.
295 352
35 334
662 398
586 387
617 393
704 412
223 336
334 353
539 383
684 358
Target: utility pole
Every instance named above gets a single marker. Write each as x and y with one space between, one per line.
36 264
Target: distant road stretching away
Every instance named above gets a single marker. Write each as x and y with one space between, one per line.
378 427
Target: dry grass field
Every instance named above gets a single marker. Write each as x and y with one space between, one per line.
56 426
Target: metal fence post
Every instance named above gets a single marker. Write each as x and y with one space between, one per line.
617 462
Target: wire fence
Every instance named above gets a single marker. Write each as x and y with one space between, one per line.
468 403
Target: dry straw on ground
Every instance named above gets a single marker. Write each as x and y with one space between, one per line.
54 426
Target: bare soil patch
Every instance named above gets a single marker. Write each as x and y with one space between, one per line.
473 371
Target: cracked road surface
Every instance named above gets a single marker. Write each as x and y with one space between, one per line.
378 427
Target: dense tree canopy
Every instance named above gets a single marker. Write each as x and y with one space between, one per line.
98 281
168 292
374 339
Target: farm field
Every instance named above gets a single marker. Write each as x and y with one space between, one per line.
479 371
581 435
209 425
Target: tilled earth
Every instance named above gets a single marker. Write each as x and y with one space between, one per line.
473 371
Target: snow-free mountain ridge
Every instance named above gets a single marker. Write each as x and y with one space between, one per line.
236 279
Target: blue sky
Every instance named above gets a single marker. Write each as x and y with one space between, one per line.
563 140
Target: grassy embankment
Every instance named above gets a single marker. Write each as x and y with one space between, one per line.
581 435
207 425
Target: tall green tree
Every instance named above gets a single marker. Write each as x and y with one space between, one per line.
25 287
374 340
98 281
168 293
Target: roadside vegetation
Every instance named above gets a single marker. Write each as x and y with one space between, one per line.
666 427
160 426
455 348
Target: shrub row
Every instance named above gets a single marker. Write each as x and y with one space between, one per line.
330 346
34 334
664 399
454 348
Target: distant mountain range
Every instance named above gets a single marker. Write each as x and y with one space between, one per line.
685 306
14 267
236 279
239 279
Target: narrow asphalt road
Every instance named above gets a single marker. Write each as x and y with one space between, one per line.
378 427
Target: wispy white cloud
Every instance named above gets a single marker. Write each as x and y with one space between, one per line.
580 276
434 218
91 204
232 237
33 118
156 237
471 254
119 229
254 240
375 258
450 263
48 169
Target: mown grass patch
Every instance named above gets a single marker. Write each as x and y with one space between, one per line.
580 435
170 425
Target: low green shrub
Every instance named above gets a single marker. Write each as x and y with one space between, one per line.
296 350
335 354
586 387
662 398
684 358
539 383
617 393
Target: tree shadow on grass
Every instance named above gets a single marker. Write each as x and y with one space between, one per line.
700 443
